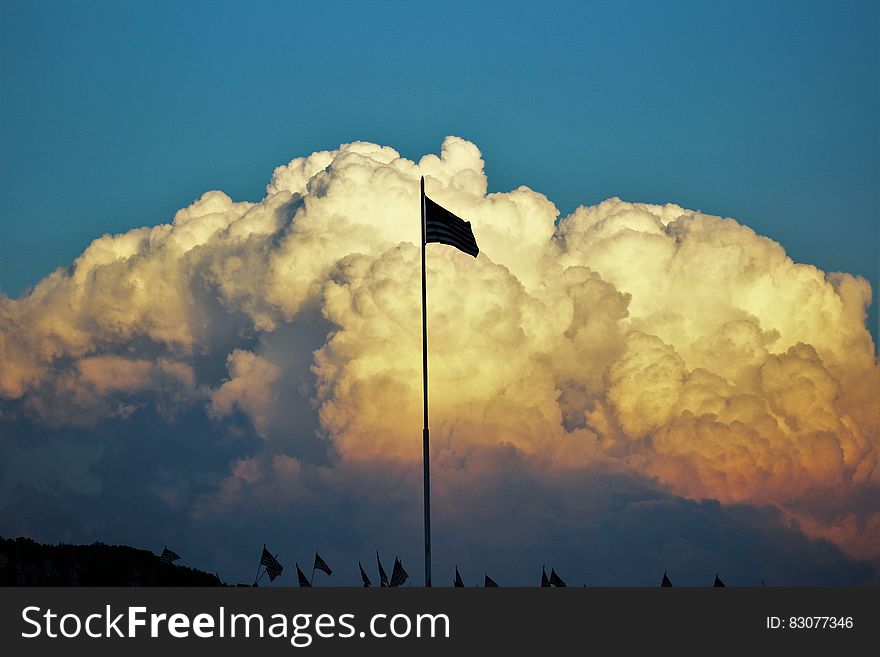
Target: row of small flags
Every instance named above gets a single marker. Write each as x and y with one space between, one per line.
26 574
399 575
273 568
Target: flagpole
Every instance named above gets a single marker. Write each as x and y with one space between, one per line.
257 575
425 450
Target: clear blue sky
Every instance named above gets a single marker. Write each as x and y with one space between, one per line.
115 114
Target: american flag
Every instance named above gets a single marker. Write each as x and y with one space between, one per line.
398 575
320 564
665 583
489 582
444 227
168 556
273 566
457 583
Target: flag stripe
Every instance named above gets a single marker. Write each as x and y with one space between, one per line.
458 234
467 247
444 236
461 228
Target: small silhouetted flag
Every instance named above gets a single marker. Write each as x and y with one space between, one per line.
300 575
398 574
545 583
665 581
383 578
168 556
444 227
3 561
718 581
320 564
273 566
555 579
489 582
364 577
457 583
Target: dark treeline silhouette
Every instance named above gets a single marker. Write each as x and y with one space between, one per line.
28 563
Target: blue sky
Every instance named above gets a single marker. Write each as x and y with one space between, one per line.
114 115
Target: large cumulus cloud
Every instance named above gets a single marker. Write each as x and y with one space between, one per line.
629 339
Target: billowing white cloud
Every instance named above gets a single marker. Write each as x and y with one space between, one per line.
624 337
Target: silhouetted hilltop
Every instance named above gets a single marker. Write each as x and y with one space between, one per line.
28 563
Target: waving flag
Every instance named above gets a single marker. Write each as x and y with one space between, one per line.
457 583
489 582
320 564
718 582
545 583
443 227
555 579
273 566
303 580
665 583
398 575
168 556
364 578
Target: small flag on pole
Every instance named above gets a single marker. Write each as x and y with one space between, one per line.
545 583
489 582
273 566
168 556
366 580
445 228
398 575
457 583
665 581
303 580
555 579
718 582
320 564
383 578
